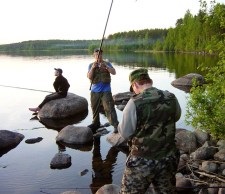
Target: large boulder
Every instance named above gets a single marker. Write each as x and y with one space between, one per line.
186 82
64 107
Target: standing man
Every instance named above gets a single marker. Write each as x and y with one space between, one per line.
148 123
99 74
61 86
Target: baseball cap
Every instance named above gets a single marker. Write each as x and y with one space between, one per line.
138 75
59 70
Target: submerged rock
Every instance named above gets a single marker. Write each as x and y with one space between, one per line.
33 140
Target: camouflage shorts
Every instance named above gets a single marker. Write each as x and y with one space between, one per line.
140 173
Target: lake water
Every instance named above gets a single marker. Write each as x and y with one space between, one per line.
26 168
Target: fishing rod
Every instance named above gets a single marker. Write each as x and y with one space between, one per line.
25 88
100 48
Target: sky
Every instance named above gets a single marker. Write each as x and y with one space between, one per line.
23 20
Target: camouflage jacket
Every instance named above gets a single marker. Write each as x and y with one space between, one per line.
155 115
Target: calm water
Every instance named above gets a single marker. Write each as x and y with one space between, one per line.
26 168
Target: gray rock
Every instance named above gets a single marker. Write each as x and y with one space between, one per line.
9 139
220 155
221 191
201 136
186 141
115 139
64 107
83 172
61 161
213 189
121 98
221 144
208 166
185 83
75 135
108 189
204 153
183 184
184 158
34 140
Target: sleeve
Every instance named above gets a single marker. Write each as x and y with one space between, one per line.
109 64
128 124
89 66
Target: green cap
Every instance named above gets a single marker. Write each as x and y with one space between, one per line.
137 75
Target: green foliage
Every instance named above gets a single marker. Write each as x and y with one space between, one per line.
206 103
198 33
205 108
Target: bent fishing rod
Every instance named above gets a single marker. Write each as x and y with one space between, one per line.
100 48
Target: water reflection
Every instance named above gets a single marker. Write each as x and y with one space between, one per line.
102 169
180 64
81 147
58 124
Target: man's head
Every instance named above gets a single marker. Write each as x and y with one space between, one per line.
139 76
58 71
98 54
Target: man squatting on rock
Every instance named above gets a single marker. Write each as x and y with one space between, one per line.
61 86
148 123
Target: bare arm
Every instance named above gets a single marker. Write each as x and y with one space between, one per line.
91 71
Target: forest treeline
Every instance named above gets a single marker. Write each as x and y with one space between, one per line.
127 41
192 33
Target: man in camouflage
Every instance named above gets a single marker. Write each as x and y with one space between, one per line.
148 123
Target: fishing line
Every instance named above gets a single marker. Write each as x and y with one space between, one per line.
25 88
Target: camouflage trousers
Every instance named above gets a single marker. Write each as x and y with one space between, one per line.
140 173
105 99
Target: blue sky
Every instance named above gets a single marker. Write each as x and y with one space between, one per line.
23 20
